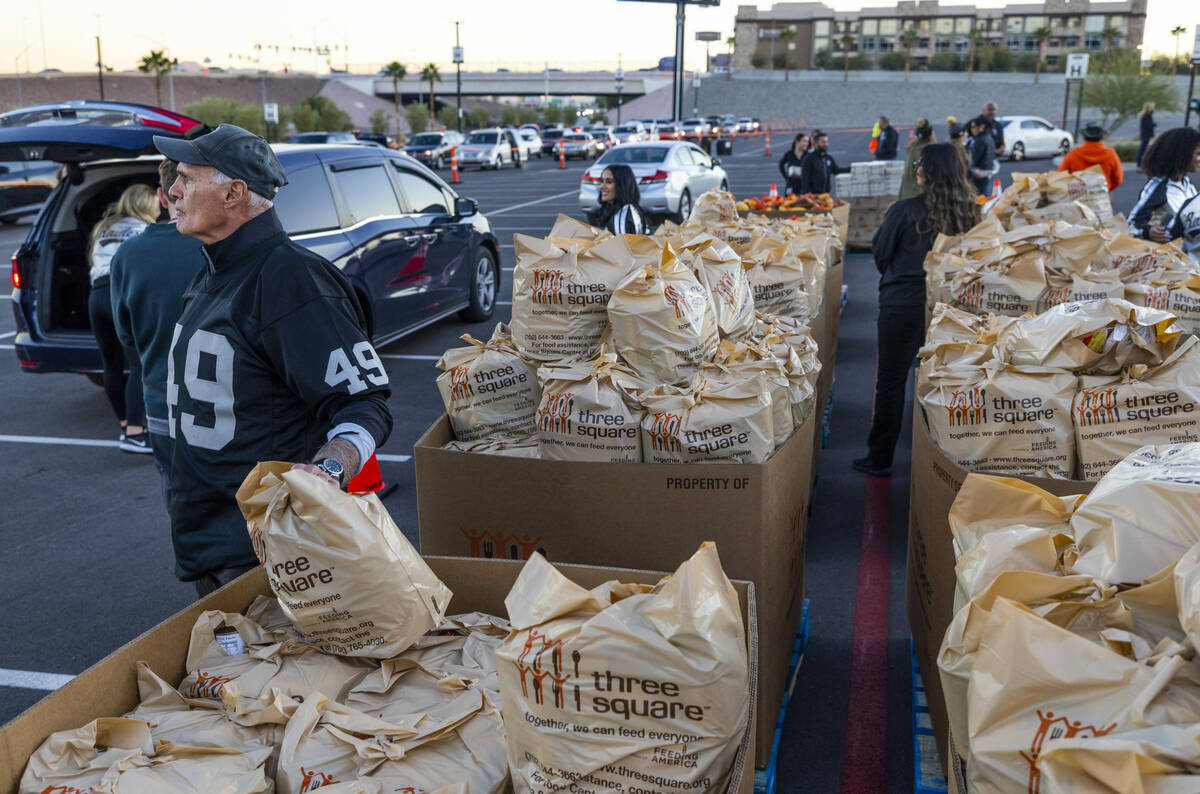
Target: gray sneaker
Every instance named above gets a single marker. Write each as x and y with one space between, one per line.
139 444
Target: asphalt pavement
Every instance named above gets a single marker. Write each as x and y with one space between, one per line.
84 539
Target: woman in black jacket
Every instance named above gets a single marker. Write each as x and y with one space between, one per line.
946 205
789 164
619 211
982 155
1146 125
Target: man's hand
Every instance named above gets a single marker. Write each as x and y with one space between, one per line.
1158 234
340 450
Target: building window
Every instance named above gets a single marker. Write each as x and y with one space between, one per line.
1053 42
887 45
887 27
923 26
923 44
1092 41
944 25
870 27
868 44
1071 41
942 44
1031 44
997 25
820 43
821 27
962 45
1093 23
1013 43
1033 23
1052 60
963 25
1073 22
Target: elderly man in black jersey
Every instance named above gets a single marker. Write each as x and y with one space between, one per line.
270 359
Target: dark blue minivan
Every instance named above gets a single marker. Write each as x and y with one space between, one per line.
415 250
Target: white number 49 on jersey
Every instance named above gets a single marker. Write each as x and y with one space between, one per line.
340 370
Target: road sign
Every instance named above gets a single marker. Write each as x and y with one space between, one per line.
1077 65
1196 47
271 112
707 35
458 54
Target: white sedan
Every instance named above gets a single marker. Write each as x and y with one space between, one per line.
670 176
1033 136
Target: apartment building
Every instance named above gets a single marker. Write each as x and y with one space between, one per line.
804 29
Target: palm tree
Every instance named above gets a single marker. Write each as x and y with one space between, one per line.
908 39
431 75
729 42
847 41
1109 34
396 71
1041 34
974 37
787 35
1176 31
158 64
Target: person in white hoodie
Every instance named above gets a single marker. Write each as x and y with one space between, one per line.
136 209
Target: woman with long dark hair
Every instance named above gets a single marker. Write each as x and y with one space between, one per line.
1167 163
789 164
923 136
946 205
619 211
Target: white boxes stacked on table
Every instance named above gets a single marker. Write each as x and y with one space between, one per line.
870 178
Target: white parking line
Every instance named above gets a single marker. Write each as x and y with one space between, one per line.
531 203
393 458
409 356
504 303
8 347
7 335
70 442
26 679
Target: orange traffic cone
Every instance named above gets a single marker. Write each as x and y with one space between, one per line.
454 165
767 151
562 156
995 188
369 480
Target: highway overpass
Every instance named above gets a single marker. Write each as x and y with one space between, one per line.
506 84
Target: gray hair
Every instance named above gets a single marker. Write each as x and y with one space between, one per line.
258 203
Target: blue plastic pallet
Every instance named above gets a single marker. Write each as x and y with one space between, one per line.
827 415
928 777
764 779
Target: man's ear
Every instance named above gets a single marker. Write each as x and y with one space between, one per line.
162 199
235 191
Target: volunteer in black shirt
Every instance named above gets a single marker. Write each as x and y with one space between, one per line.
270 359
946 205
818 166
789 164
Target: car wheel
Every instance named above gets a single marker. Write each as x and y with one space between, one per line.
439 163
685 207
1018 151
1064 146
484 281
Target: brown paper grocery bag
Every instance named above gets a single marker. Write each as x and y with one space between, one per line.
339 565
590 411
708 421
719 268
624 686
737 361
1163 759
488 388
1033 681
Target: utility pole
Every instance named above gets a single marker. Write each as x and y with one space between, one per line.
99 67
620 86
677 93
17 71
458 59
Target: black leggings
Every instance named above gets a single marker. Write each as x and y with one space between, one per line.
901 331
124 392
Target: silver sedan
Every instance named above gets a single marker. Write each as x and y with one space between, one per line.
670 175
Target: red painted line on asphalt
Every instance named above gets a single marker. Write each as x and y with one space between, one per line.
864 755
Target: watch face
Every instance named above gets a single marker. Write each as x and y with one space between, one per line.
332 466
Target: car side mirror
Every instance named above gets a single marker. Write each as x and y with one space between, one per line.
716 161
465 207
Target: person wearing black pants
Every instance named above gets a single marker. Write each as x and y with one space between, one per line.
946 205
124 392
1146 125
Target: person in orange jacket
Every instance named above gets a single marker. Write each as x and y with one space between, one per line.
1093 152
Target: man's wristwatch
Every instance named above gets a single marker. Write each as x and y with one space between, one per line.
333 468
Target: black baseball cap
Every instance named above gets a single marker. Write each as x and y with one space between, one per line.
233 151
1093 131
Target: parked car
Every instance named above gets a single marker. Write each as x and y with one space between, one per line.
322 137
603 134
414 250
670 175
24 187
1033 136
530 142
490 148
748 124
380 138
581 145
551 138
433 148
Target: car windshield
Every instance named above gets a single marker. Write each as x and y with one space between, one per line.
579 136
552 134
636 154
426 139
482 137
626 128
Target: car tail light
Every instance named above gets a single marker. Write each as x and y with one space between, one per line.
16 273
168 121
589 178
658 176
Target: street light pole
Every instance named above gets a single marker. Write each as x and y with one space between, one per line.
99 67
677 94
620 86
458 59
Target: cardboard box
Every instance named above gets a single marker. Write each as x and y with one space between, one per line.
867 213
646 515
109 687
929 596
